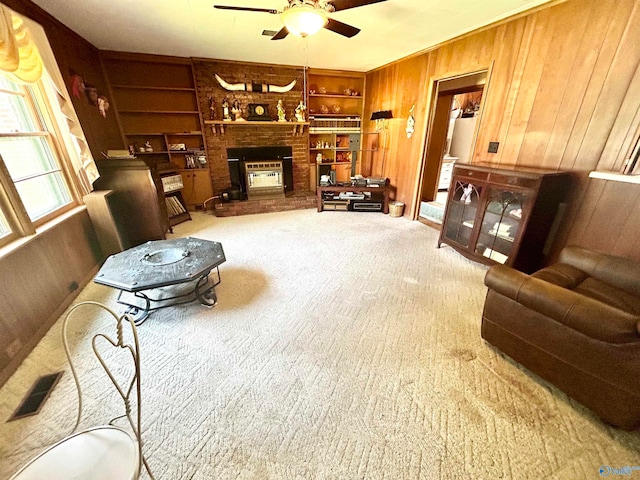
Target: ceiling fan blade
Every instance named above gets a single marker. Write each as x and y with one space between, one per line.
346 4
341 28
281 34
247 9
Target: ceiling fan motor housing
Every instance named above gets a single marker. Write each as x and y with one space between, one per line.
307 17
304 17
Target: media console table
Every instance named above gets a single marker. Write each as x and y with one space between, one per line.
384 190
163 263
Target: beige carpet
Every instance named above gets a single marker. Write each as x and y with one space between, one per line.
344 346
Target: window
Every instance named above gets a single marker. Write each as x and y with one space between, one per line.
34 184
4 226
632 165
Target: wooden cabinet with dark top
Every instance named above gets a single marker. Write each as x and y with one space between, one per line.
135 206
503 215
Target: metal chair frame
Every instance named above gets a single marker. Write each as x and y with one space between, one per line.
126 392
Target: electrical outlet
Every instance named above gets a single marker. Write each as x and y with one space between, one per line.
493 147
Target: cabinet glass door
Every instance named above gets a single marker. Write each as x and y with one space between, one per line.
463 208
500 224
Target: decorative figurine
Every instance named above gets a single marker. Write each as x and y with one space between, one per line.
226 115
212 108
77 84
411 123
237 111
148 147
92 94
281 112
300 109
103 105
466 194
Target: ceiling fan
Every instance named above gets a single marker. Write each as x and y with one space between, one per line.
307 17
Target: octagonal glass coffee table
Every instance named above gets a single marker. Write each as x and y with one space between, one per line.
139 271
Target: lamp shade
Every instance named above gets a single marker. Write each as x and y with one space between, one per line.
381 115
304 20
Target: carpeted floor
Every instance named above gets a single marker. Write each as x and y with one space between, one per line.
344 346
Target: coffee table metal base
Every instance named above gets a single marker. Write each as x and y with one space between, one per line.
203 291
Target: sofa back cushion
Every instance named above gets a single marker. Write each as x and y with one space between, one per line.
605 293
600 277
621 273
561 274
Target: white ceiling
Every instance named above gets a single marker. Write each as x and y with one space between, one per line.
193 28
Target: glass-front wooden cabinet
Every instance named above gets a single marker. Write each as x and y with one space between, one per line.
462 210
501 223
504 215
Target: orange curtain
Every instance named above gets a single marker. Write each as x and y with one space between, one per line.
19 56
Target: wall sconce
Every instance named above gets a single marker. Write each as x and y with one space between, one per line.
382 119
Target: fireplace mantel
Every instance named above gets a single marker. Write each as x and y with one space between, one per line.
219 125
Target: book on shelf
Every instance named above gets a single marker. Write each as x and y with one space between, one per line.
174 207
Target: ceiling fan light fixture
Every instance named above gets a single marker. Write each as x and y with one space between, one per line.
304 20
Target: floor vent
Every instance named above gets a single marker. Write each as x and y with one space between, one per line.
36 397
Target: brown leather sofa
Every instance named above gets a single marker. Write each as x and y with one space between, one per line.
576 324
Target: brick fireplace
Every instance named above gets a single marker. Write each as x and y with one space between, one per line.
250 135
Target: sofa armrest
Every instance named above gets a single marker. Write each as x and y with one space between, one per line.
619 272
583 314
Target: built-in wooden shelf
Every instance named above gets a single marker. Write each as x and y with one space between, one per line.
334 115
615 177
249 123
158 106
169 134
146 87
333 95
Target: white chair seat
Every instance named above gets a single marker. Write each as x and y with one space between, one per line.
101 453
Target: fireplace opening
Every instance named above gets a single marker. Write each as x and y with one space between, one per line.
275 172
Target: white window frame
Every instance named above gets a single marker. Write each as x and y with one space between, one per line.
38 97
632 162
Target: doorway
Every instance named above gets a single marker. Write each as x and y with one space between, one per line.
454 123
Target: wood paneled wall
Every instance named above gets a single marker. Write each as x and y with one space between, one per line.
562 93
39 280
